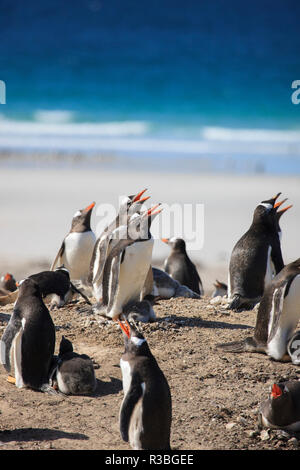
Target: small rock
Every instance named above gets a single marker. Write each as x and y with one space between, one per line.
294 442
243 421
216 300
264 435
229 426
251 432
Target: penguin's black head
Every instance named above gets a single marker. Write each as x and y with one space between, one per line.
64 271
8 282
65 346
279 408
29 287
264 214
81 221
134 341
177 244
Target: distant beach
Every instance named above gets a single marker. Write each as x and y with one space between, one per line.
38 203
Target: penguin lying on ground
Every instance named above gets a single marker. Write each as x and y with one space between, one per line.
146 410
77 247
277 317
72 373
127 265
7 284
282 408
219 289
32 333
166 287
128 207
255 258
179 266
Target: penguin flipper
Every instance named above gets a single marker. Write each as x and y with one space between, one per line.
114 279
13 327
277 303
102 248
276 257
132 397
59 255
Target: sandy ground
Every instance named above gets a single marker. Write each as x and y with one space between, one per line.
215 395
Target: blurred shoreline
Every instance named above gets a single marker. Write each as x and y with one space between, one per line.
40 196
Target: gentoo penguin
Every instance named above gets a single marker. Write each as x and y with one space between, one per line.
129 205
140 311
255 258
165 287
282 408
77 247
146 410
127 266
277 316
72 373
179 266
8 283
219 289
32 333
56 286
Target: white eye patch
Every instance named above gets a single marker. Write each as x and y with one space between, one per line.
76 214
267 205
138 341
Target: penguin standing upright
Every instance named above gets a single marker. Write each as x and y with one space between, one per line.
127 266
146 410
77 247
277 317
32 333
73 373
179 266
282 408
255 258
129 205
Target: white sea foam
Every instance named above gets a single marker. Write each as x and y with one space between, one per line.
53 132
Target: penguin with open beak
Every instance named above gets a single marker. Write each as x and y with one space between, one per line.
127 265
255 258
282 408
146 411
129 206
77 247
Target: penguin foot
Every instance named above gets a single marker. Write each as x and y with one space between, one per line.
47 388
11 380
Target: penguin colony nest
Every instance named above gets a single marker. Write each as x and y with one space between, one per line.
215 395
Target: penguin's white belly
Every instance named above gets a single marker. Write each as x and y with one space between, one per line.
78 252
288 321
17 347
126 375
133 273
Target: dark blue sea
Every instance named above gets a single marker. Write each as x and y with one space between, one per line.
207 80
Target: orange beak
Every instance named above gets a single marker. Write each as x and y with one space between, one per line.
165 240
144 199
139 195
125 327
278 204
7 277
285 209
90 207
152 209
276 391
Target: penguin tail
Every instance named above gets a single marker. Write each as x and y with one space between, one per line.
246 345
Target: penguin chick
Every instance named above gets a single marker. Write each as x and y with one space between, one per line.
179 266
73 373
